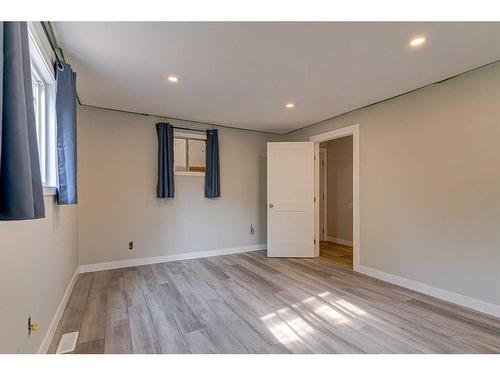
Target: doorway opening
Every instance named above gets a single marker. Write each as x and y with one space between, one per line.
337 189
335 200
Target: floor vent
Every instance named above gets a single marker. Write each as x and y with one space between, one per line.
67 344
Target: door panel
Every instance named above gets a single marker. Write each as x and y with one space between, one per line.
290 195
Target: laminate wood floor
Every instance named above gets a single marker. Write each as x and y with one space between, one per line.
340 254
248 303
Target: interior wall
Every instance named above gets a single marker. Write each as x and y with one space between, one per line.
117 192
37 261
429 183
339 187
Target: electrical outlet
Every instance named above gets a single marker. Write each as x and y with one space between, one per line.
131 245
32 327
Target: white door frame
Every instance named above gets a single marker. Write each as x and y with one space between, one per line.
327 136
324 236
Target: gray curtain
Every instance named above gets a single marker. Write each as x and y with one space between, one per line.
66 134
212 174
165 184
21 193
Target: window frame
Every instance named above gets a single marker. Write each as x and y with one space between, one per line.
43 76
187 136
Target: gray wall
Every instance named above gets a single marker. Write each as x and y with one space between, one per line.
430 184
339 187
117 192
37 260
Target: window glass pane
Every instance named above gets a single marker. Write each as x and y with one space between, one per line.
38 106
36 102
196 151
44 109
180 154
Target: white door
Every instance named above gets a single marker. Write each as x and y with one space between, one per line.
290 199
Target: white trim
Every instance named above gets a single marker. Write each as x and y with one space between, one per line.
49 191
459 299
44 346
180 134
189 173
41 43
168 258
340 241
41 67
316 201
323 152
339 133
334 134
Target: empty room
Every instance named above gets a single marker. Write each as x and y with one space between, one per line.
230 187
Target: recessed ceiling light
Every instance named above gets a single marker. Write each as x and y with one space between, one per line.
289 105
418 41
173 79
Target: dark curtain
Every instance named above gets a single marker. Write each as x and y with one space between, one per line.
1 90
165 184
212 174
66 134
21 192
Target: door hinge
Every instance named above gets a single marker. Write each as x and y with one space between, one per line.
315 242
314 199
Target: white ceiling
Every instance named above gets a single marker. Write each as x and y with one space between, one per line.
242 74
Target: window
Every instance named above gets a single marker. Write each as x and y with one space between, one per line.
39 105
189 154
43 85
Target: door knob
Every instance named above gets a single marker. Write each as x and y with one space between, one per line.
271 205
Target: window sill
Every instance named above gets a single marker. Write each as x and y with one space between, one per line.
189 174
49 191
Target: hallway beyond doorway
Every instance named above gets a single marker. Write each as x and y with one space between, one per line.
340 254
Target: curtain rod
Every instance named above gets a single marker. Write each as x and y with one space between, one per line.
51 44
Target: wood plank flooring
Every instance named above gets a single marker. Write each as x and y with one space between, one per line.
340 254
248 303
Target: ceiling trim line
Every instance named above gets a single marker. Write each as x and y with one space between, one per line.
263 131
176 119
53 36
396 96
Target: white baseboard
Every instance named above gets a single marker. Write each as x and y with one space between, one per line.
168 258
340 241
459 299
469 302
44 346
